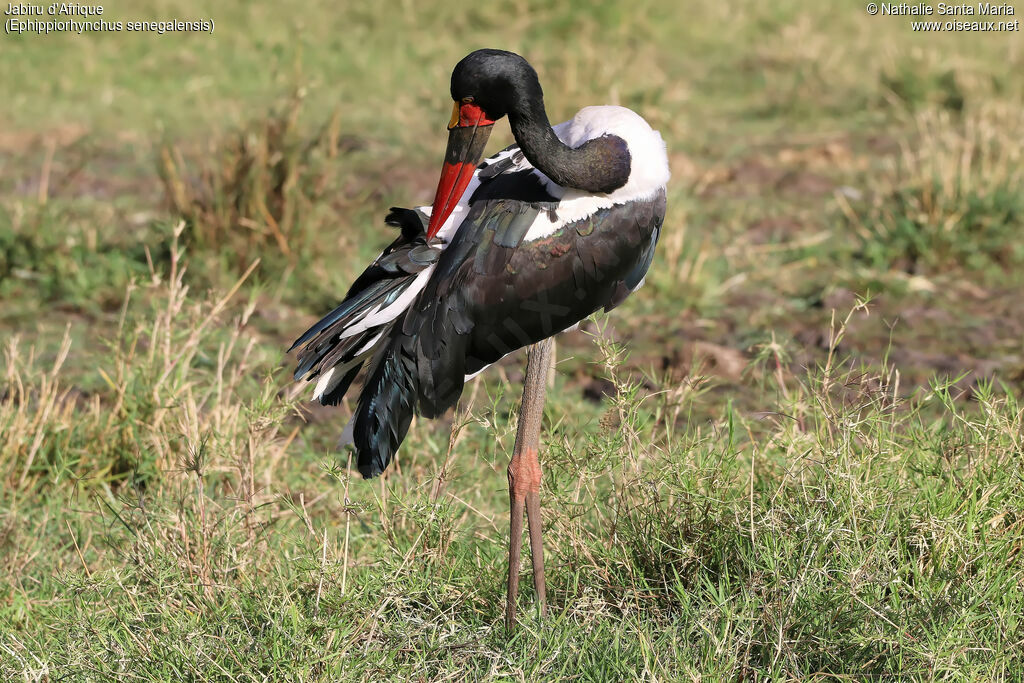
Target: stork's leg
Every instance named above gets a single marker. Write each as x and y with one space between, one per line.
524 478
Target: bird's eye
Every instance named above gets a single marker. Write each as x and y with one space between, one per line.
467 100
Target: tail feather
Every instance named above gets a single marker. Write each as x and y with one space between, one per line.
335 391
386 406
365 329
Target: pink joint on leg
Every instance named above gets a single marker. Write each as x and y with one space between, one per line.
524 474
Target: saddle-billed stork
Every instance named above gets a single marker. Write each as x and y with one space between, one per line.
513 251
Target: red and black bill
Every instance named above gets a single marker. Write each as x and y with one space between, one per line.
468 129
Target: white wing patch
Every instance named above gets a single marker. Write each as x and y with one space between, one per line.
324 385
380 316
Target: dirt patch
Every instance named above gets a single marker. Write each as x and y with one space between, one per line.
755 178
22 141
807 171
70 165
805 184
774 229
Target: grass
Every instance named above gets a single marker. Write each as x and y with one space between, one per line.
796 453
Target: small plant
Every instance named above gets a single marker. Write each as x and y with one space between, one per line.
255 191
952 199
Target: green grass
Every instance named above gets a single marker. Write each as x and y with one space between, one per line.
750 473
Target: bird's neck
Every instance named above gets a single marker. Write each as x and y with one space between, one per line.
599 165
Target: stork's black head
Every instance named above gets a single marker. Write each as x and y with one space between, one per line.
497 81
486 85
